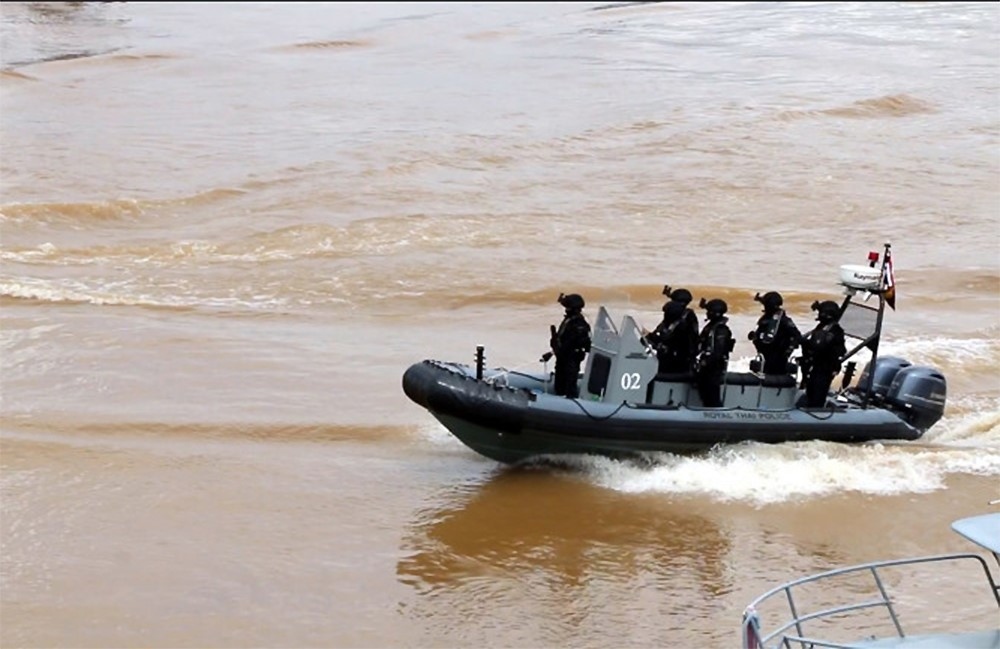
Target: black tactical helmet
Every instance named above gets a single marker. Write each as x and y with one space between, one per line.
681 295
673 310
572 302
827 311
715 308
771 300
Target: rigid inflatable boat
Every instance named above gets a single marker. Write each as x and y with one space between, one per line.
626 408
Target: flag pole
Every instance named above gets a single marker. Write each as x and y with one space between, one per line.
878 330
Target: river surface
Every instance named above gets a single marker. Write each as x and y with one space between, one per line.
227 229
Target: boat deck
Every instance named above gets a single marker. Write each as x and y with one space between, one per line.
971 640
792 632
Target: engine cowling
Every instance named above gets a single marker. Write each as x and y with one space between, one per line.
918 393
886 369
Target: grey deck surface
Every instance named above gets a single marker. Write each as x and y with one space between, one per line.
983 530
972 640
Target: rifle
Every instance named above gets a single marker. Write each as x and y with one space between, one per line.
553 343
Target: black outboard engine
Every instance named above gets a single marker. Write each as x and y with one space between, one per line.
918 394
886 368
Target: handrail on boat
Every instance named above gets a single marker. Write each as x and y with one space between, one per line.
754 639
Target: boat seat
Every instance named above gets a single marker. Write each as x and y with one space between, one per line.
779 381
741 390
676 377
742 378
669 389
766 380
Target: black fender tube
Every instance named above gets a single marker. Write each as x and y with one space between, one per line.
447 392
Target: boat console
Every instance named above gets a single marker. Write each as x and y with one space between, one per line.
622 368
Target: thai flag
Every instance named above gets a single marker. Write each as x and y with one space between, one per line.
888 281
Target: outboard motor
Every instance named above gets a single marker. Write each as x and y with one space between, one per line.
918 394
886 368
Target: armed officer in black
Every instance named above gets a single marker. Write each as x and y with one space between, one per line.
822 351
570 344
675 339
715 344
683 297
776 335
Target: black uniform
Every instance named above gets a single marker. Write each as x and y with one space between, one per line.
675 339
570 344
775 338
715 344
822 350
683 297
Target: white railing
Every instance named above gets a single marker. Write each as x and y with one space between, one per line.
791 634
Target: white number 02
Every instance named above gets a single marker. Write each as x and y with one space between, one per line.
630 381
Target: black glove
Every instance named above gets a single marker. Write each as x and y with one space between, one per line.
545 357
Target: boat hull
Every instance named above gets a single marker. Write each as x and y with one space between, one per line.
514 422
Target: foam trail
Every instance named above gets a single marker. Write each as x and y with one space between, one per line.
946 353
766 474
976 424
